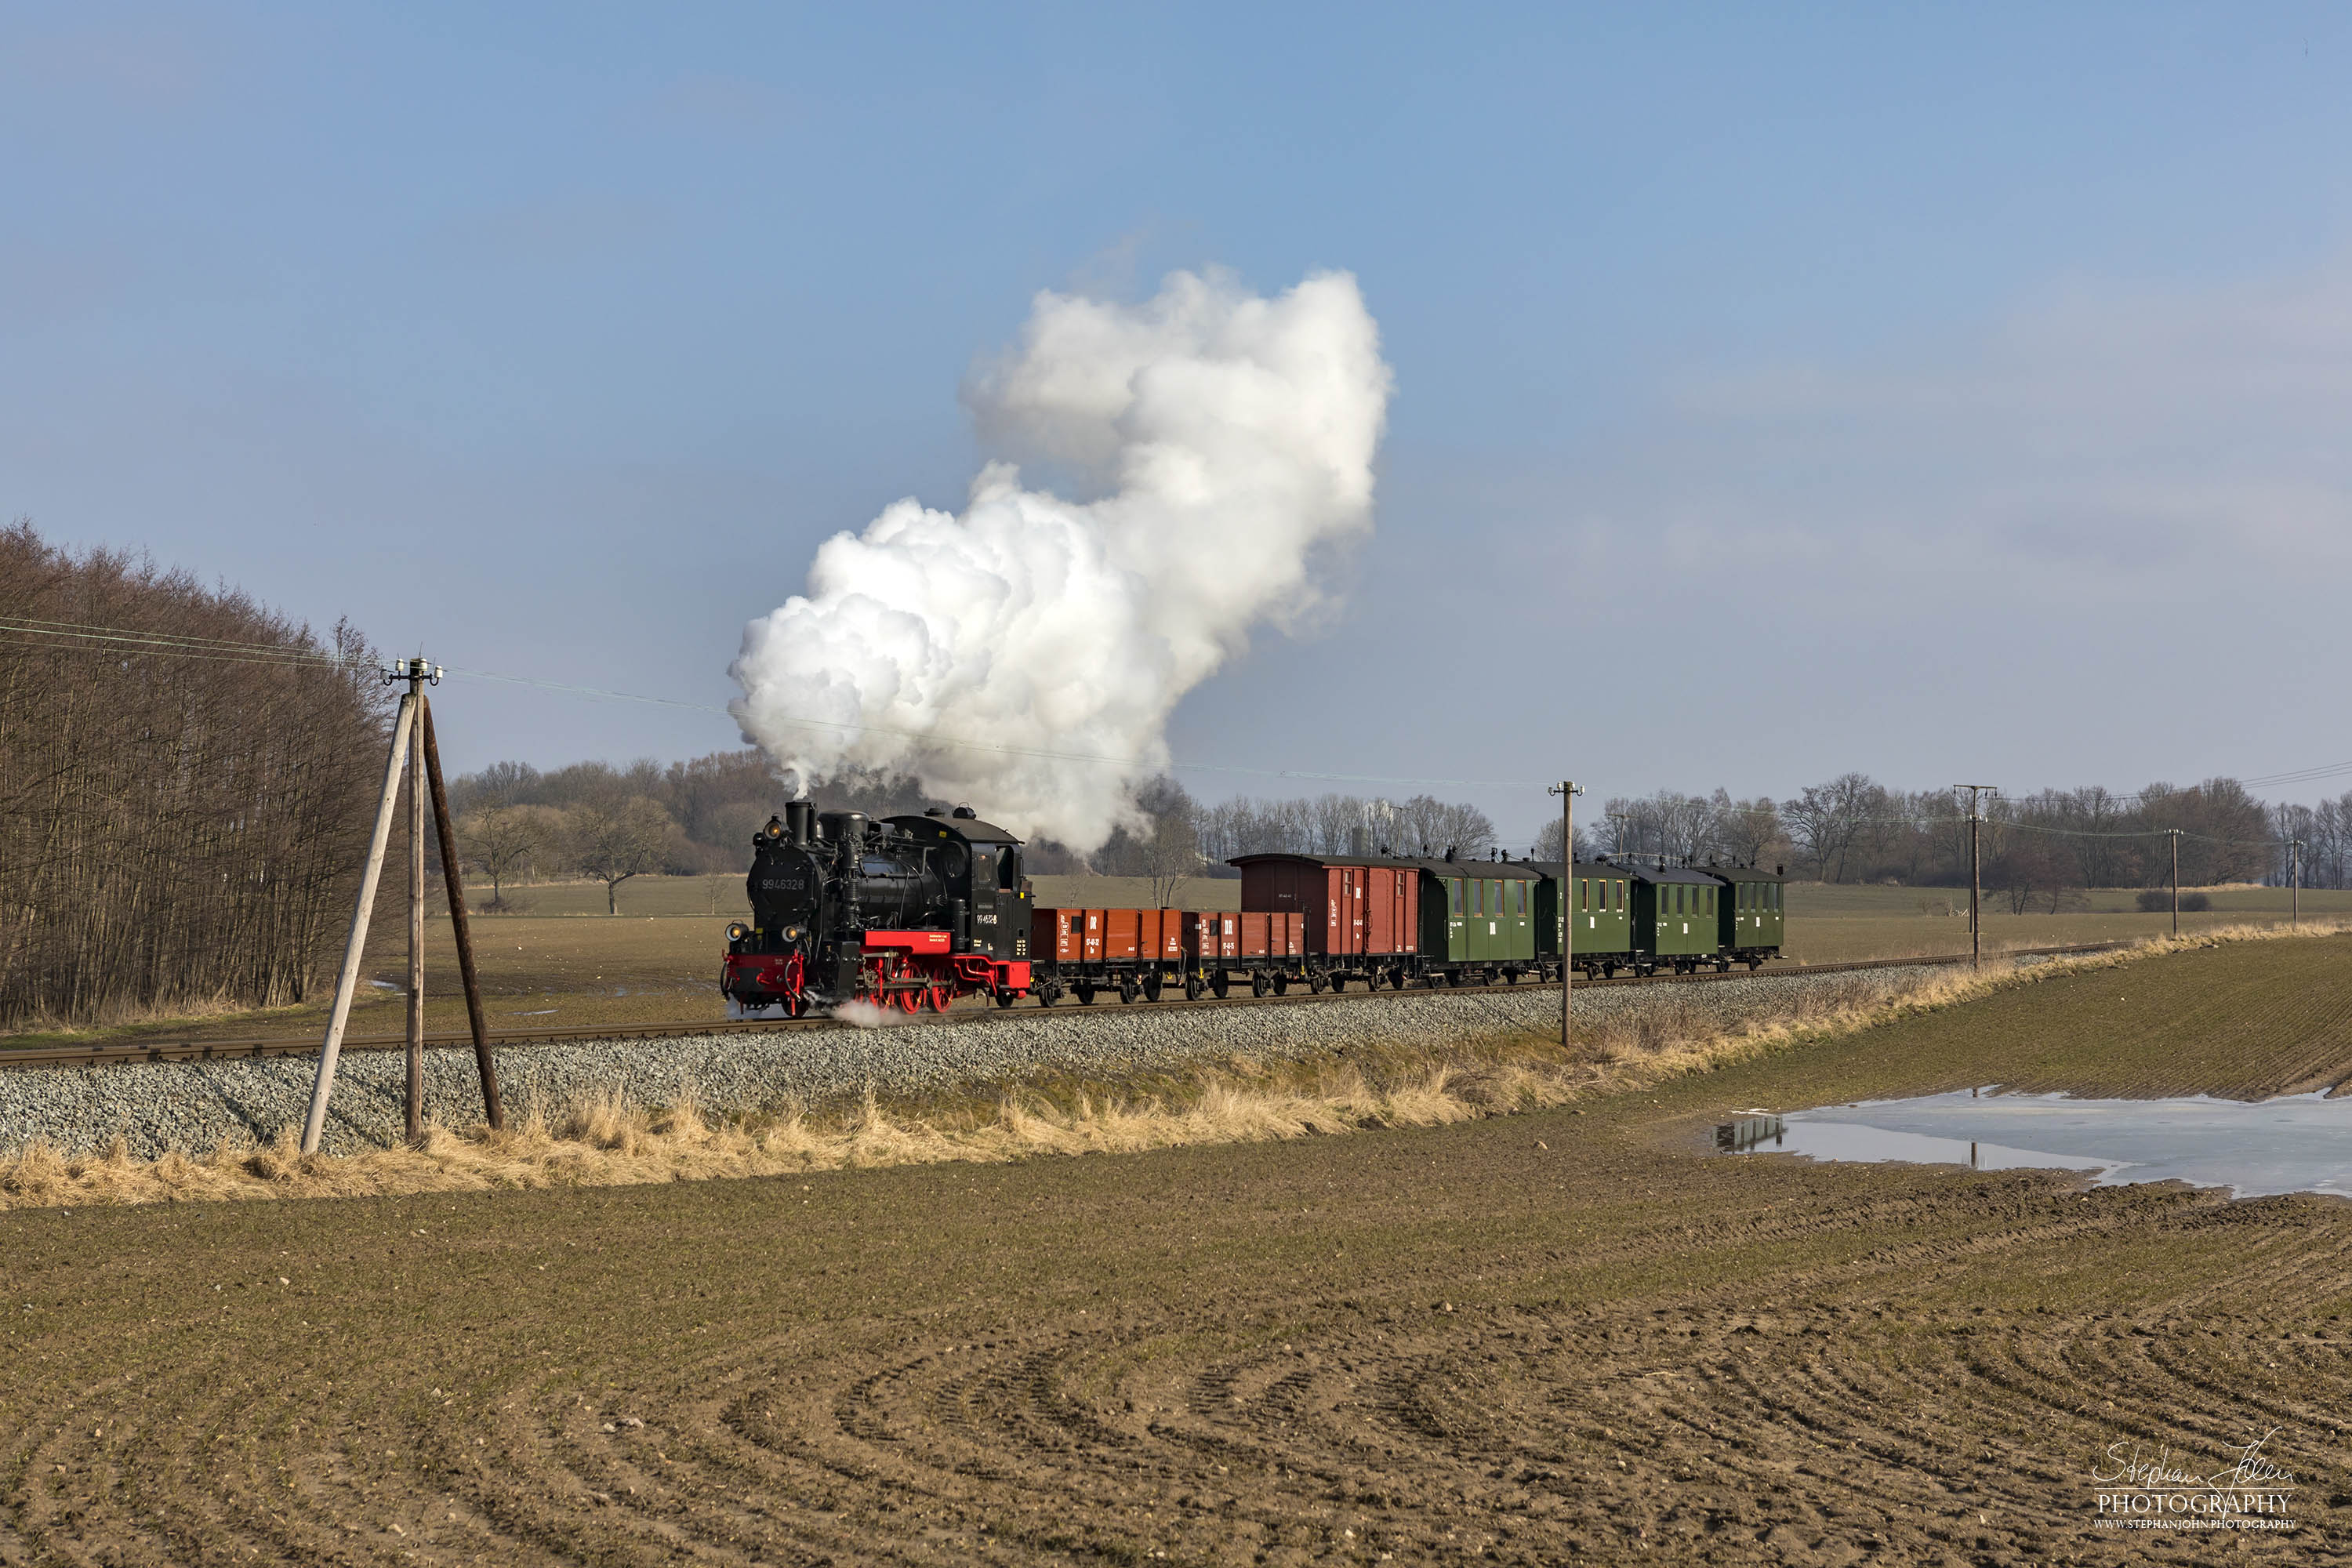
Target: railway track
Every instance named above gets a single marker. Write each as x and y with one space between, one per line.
286 1046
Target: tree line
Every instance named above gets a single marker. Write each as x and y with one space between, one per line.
185 794
2041 850
2043 847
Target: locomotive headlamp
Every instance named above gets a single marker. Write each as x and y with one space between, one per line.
791 933
775 828
738 932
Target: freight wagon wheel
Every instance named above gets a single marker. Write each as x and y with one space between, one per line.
1191 988
1282 985
1086 990
1260 983
1048 994
1152 984
1221 983
1315 983
1127 989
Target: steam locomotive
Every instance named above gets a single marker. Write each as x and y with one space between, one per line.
910 912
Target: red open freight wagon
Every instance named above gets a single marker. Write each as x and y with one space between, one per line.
1084 953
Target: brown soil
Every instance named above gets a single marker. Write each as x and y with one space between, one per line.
1531 1338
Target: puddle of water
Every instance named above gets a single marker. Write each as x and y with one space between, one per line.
2297 1144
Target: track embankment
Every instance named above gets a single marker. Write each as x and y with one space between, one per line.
199 1105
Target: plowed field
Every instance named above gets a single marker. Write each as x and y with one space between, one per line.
1536 1339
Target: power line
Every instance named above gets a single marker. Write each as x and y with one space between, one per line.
91 637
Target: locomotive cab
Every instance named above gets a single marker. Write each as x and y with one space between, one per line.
979 868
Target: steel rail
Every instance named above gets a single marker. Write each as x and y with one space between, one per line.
142 1051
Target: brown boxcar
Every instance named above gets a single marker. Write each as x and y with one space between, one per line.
1352 908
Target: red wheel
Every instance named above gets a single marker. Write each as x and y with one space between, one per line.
939 998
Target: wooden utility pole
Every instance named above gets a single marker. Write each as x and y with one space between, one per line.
2294 881
461 927
1976 869
403 725
2174 834
416 1118
1567 791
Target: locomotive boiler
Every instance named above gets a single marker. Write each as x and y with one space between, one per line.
909 912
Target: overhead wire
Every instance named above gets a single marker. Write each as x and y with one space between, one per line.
92 637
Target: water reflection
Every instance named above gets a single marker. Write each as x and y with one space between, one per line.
2297 1144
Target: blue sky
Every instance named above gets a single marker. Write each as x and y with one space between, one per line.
1945 393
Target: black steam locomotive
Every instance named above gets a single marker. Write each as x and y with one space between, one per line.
910 912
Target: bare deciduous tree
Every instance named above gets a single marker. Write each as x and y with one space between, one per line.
615 839
501 840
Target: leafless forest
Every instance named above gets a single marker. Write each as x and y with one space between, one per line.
185 798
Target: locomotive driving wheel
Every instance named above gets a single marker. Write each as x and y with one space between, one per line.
938 998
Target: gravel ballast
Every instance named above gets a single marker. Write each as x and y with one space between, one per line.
199 1105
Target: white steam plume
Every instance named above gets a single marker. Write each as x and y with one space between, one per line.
1230 436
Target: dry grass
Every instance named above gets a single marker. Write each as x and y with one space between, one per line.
606 1140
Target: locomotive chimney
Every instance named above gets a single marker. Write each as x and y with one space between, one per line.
800 821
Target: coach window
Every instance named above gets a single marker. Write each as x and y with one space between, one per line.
1454 895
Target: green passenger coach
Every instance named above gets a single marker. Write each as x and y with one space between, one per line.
1676 913
1753 919
1599 901
1481 917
